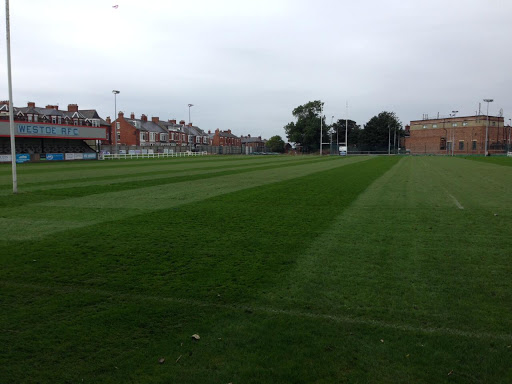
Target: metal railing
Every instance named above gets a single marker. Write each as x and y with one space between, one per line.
112 156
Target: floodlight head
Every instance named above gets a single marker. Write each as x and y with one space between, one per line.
488 100
115 92
190 105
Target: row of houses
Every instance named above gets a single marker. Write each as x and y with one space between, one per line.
154 132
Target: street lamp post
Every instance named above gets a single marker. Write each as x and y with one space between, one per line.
190 122
115 119
509 129
487 126
453 132
190 105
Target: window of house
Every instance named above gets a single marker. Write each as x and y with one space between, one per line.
54 119
465 124
424 126
473 145
493 123
95 123
461 145
35 117
59 119
29 117
442 145
449 146
434 125
75 121
454 124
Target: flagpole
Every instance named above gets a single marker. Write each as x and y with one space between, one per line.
11 104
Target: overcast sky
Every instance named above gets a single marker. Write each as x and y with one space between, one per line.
246 64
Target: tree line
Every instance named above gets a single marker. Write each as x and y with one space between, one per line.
374 136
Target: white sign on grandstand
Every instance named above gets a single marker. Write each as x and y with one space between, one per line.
25 129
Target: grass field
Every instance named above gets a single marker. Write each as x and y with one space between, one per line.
291 270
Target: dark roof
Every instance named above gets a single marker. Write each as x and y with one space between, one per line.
227 134
253 140
148 126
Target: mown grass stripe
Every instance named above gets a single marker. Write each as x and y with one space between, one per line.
134 297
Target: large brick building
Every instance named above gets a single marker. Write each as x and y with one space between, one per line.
458 135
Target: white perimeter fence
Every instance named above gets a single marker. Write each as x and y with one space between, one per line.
114 156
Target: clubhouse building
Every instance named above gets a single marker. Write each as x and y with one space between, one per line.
464 135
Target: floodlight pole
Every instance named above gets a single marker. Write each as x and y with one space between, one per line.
346 132
115 118
321 128
389 139
11 105
487 126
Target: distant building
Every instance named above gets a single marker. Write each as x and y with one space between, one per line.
225 142
464 135
253 144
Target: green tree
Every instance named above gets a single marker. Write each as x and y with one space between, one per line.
377 132
306 130
275 144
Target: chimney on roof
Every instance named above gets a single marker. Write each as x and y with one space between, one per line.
189 124
229 130
217 130
155 119
4 102
209 132
172 121
56 107
182 122
120 114
132 116
249 135
144 117
72 108
108 120
31 104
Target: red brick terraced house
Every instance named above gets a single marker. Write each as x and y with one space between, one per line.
139 132
225 142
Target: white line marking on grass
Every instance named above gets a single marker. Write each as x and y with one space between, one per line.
459 205
270 310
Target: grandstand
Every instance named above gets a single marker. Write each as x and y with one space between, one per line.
65 135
